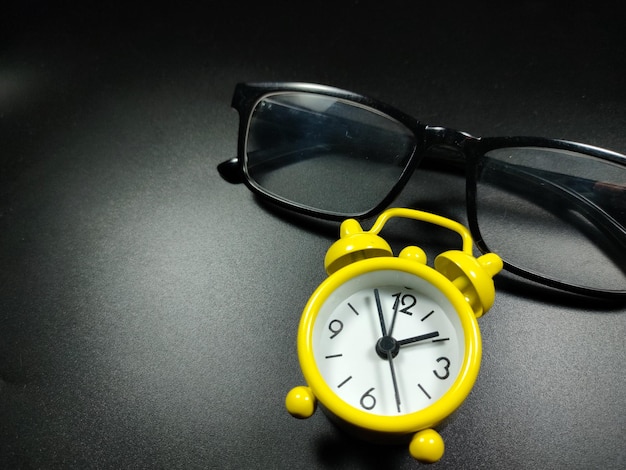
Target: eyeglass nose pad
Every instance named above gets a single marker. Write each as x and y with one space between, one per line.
354 245
472 276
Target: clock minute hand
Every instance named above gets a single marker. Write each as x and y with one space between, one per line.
416 339
381 316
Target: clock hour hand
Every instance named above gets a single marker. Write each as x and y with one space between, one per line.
416 339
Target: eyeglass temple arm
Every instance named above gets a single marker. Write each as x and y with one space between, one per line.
528 180
572 188
579 185
444 153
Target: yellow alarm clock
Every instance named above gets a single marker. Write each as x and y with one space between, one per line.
388 346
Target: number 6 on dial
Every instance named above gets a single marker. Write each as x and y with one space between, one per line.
388 345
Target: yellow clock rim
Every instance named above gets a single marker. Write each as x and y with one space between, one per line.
411 422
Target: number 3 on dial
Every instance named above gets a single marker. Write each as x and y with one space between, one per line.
446 368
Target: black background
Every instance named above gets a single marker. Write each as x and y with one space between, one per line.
149 309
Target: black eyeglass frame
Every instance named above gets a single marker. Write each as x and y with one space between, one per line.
463 149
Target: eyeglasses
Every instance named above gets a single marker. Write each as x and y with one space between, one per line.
554 210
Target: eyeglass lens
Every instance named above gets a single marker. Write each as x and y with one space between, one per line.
553 212
325 153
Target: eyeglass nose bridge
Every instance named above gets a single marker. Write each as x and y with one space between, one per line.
445 136
446 144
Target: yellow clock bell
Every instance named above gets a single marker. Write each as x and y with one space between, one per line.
389 346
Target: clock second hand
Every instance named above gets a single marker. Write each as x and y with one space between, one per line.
389 352
394 380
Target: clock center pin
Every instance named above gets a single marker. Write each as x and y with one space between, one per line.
386 345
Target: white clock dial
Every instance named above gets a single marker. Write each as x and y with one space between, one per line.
388 343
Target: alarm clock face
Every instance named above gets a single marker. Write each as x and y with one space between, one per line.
389 343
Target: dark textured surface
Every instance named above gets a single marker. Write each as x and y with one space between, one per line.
149 309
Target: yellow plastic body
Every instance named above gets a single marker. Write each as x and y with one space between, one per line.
464 280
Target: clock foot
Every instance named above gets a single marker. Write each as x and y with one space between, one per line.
427 446
300 402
